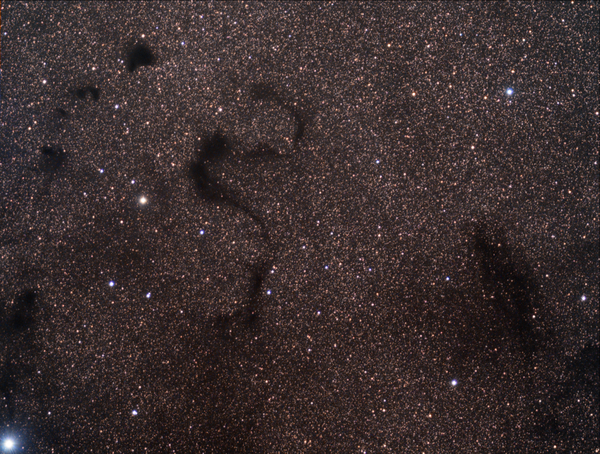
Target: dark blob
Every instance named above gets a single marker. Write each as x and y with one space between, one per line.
207 189
25 307
82 92
264 92
300 127
246 319
509 281
574 393
62 112
214 148
53 158
140 55
95 93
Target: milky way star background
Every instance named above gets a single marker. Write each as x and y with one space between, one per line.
299 227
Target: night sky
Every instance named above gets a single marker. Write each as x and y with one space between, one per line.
299 227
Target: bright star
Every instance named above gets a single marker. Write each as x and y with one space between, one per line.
201 232
268 292
454 382
583 298
148 295
134 412
509 91
143 200
111 284
8 444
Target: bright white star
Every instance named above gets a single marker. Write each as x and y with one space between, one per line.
509 91
143 200
454 382
8 444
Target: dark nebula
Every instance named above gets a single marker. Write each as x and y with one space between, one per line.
301 227
140 55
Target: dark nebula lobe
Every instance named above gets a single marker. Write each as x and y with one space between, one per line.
93 91
25 308
509 282
304 284
52 159
212 149
62 112
140 55
264 92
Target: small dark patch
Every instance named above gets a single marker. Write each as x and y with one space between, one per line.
214 148
140 55
95 93
508 280
300 128
53 158
82 92
264 92
62 112
25 307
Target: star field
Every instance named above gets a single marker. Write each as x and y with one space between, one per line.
299 227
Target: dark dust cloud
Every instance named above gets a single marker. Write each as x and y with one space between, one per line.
299 227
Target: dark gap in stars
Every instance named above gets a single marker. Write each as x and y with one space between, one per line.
140 55
510 281
52 158
93 91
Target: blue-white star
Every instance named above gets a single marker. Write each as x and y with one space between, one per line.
509 91
8 444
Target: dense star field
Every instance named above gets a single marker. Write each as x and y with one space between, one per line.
299 227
